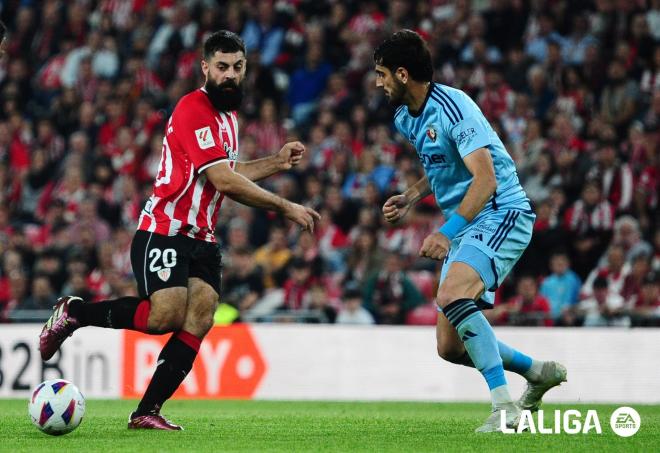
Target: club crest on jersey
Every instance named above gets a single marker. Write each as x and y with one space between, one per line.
430 132
164 274
204 138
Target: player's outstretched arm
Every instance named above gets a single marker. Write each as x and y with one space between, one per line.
289 156
239 188
397 206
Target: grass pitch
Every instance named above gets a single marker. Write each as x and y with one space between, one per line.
313 426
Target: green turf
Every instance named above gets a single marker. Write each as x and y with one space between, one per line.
225 426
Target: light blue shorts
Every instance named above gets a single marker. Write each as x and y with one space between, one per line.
492 244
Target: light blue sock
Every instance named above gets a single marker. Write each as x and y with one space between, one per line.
479 340
514 360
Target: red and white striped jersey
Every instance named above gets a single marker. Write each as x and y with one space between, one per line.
183 201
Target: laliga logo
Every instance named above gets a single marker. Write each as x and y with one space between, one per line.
625 422
569 423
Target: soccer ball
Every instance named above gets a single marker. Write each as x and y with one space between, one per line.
56 407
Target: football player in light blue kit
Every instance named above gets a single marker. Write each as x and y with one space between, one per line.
488 224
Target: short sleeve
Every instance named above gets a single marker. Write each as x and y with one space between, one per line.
199 134
469 135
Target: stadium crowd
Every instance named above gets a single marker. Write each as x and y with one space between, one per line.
572 88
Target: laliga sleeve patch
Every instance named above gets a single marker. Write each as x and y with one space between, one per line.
204 138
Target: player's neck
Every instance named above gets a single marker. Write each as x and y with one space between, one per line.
417 94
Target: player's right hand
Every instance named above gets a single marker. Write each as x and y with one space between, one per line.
395 208
303 216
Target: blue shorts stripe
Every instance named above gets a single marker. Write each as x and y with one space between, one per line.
445 108
499 228
446 96
506 225
508 230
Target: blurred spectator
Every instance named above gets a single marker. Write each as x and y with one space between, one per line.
88 219
352 311
640 268
176 33
243 282
306 249
540 94
267 130
307 83
526 308
273 258
604 307
561 289
49 265
650 81
655 261
645 306
321 304
42 295
17 294
77 284
619 98
262 34
614 271
545 33
389 294
517 68
628 235
496 97
538 182
99 52
369 170
590 220
577 42
297 285
615 177
364 257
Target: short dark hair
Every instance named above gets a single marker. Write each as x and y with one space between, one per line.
600 283
406 49
224 41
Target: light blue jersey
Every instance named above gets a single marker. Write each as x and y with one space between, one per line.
448 127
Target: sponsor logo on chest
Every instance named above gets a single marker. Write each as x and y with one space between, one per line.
231 152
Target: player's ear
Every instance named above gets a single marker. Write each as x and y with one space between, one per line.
402 75
205 67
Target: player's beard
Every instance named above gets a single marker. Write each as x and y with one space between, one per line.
226 96
396 95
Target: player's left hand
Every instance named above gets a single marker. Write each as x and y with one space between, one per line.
290 155
435 246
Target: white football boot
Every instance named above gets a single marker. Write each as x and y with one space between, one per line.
552 375
493 422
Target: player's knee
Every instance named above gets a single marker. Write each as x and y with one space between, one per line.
199 319
168 310
166 321
445 296
449 352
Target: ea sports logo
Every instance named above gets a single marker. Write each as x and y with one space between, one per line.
625 421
